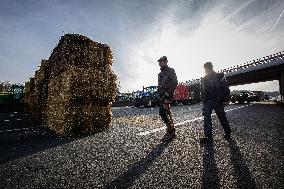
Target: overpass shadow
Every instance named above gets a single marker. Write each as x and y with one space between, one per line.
210 178
242 173
137 169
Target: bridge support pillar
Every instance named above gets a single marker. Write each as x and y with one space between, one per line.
281 85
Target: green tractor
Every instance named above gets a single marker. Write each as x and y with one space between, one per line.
13 96
123 99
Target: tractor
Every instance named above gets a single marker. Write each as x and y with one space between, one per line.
148 97
14 96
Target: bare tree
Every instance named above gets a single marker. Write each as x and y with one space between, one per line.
5 86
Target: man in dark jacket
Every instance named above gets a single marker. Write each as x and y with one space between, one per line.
215 94
167 82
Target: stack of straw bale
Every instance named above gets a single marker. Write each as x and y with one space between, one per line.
36 92
28 90
40 92
81 86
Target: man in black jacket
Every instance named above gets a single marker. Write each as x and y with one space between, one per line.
167 82
215 94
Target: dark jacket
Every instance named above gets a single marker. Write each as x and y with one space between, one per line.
214 86
167 81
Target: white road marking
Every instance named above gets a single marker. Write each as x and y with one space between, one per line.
9 130
184 122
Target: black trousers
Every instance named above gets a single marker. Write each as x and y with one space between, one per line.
208 107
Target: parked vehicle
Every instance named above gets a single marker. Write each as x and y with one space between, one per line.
183 94
255 96
266 97
148 97
15 95
12 100
123 99
245 96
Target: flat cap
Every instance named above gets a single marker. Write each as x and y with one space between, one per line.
163 58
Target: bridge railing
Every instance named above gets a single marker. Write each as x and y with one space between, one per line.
252 63
260 61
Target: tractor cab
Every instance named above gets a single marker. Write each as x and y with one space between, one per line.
15 94
17 91
150 91
148 97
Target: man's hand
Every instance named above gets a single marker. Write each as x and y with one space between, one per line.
167 101
226 103
166 104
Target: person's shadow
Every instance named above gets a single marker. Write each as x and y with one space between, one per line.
242 173
127 178
210 178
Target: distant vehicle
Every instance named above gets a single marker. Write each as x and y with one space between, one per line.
266 97
15 95
255 97
123 99
183 94
245 96
148 97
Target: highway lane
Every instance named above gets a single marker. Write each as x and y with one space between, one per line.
122 158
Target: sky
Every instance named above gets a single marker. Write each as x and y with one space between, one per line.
139 32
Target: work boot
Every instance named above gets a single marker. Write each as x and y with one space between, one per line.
170 128
206 139
227 136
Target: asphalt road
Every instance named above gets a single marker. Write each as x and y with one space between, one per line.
136 153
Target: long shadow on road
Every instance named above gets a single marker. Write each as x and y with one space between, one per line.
15 145
242 173
210 178
127 179
23 136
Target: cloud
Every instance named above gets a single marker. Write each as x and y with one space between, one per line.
216 38
139 32
273 27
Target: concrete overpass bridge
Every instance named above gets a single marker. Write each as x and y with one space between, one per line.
263 69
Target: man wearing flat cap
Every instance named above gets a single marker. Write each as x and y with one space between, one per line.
167 82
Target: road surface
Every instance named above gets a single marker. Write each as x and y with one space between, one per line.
136 153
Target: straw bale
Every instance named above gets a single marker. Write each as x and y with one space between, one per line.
81 86
38 99
27 92
74 104
29 95
80 51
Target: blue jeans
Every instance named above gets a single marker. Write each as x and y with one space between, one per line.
208 107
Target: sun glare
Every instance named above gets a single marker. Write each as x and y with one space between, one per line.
216 40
